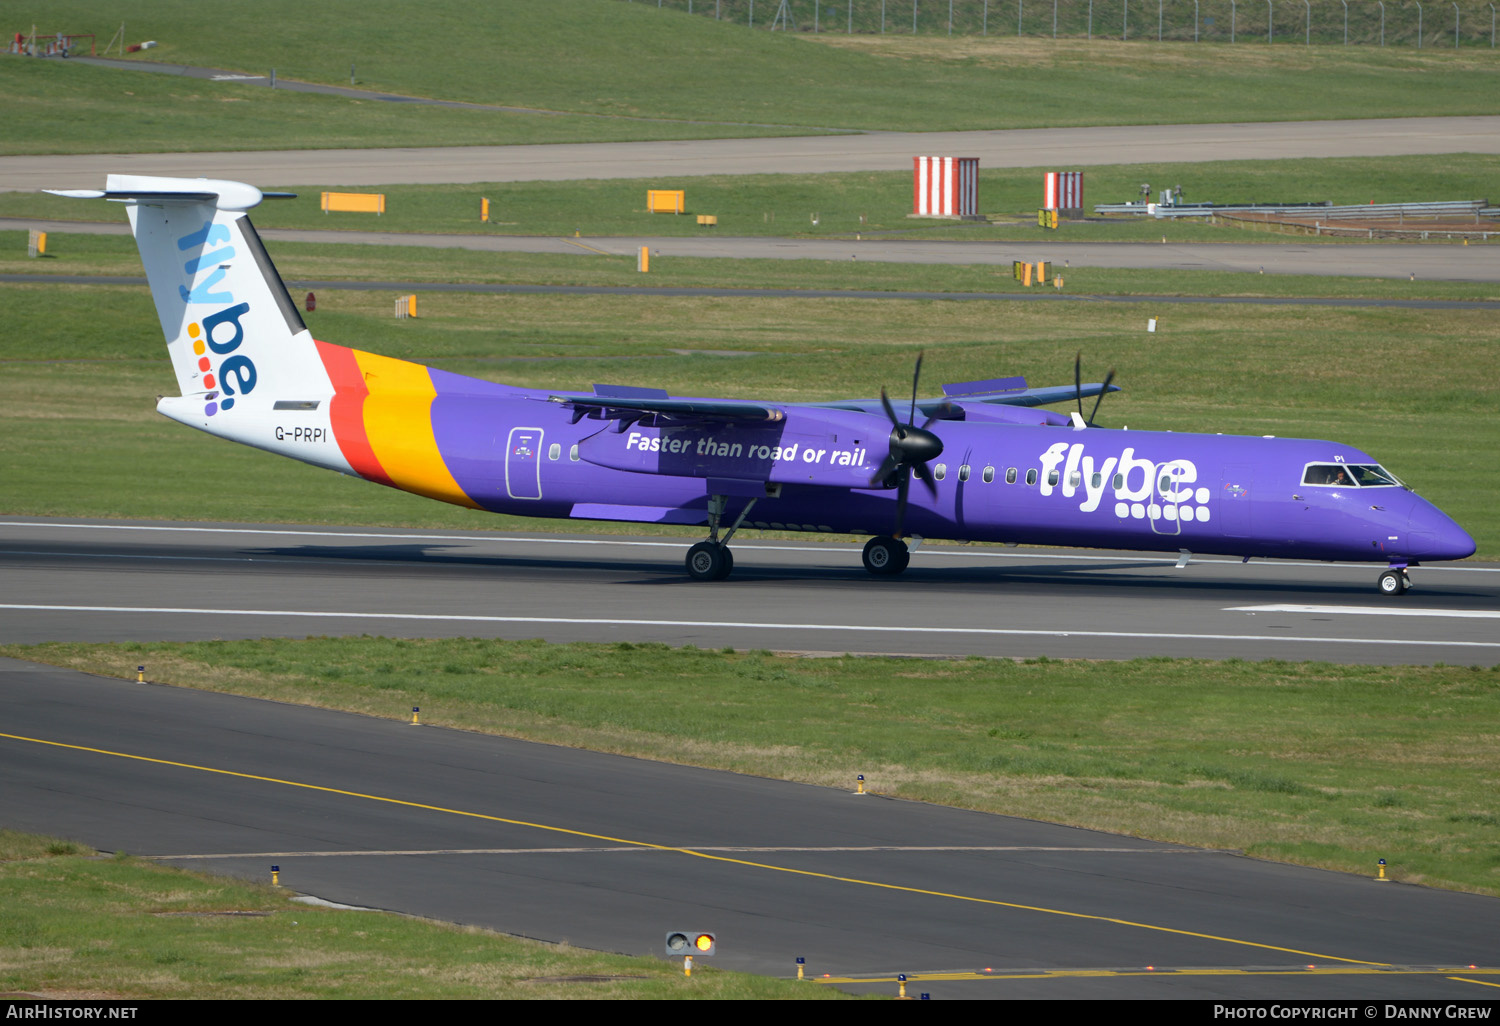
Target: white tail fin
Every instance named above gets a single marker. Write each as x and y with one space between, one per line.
231 328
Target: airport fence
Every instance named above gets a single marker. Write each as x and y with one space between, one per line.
1409 23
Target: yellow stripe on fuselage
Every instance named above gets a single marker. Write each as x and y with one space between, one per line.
398 422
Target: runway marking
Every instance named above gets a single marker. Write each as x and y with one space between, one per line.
541 539
742 849
1459 614
693 852
1073 974
746 625
1482 983
584 245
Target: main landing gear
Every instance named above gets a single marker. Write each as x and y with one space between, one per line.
1394 582
711 560
885 556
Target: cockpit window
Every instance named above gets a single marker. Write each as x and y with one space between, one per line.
1344 475
1374 476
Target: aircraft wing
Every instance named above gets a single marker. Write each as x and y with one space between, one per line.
991 392
1041 396
667 411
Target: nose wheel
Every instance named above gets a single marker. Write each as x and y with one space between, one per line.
1394 582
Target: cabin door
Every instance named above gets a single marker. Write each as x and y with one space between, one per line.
1163 510
523 463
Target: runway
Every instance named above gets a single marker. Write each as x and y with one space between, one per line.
874 151
611 853
101 581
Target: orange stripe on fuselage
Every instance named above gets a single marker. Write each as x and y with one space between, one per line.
398 426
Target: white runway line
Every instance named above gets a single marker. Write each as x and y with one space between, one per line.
1459 614
542 539
743 625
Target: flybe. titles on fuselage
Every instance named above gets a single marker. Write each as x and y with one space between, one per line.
1140 488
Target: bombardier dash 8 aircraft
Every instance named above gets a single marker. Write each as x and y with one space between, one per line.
993 467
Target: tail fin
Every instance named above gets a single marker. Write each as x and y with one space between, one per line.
231 328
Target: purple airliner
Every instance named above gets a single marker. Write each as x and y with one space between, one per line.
992 466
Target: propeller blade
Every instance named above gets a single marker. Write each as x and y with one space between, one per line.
916 376
887 466
902 489
1078 381
1107 379
925 475
910 449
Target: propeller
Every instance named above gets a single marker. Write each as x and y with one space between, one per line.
911 448
1078 388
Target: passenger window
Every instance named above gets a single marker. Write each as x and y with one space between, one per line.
963 472
1097 480
940 471
1119 482
1074 479
555 452
573 453
1031 476
1010 476
989 474
1052 477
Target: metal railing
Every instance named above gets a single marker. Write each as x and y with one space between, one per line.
1300 22
1324 211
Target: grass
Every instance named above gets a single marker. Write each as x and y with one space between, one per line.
634 61
78 927
81 437
77 108
1312 763
872 204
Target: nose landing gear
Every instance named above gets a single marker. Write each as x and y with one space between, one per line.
1394 581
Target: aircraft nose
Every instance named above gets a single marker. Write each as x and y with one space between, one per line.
1434 535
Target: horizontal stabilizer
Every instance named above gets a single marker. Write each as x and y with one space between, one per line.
154 190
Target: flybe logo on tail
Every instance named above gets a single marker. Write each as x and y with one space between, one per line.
216 336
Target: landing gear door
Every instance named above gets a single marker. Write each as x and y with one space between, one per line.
523 463
1163 511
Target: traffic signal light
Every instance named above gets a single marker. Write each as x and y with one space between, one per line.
690 942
